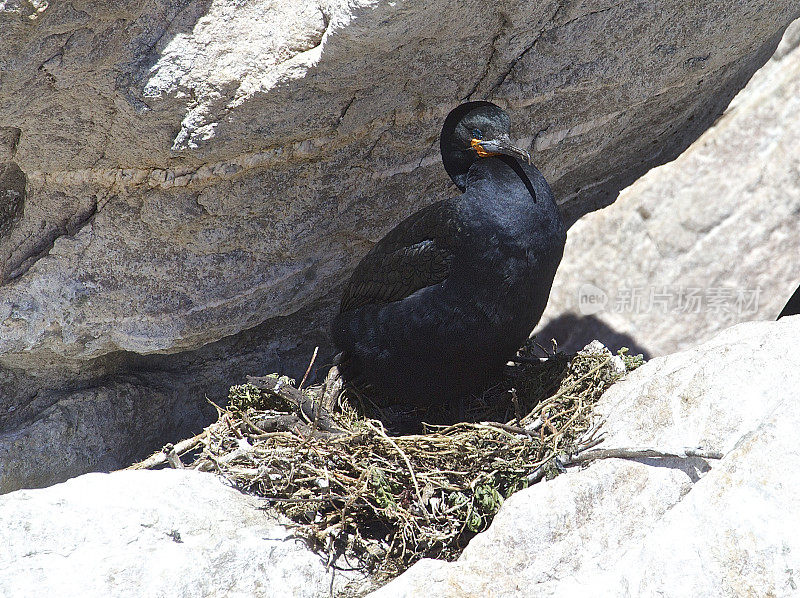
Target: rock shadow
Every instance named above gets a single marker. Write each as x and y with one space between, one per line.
572 332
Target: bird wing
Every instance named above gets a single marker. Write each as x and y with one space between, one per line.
416 254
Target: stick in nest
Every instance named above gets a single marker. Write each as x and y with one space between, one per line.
587 455
641 453
296 397
308 370
383 435
162 457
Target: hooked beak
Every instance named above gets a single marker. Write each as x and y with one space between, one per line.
501 145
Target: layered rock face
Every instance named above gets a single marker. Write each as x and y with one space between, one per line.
184 185
647 527
700 243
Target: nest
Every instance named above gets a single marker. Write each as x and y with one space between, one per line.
383 502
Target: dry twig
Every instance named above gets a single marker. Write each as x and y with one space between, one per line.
641 453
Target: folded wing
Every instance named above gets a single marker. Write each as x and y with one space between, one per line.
417 253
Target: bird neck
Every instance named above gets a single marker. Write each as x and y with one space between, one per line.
457 164
490 170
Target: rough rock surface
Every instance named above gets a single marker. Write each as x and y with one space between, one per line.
672 527
208 171
700 243
152 533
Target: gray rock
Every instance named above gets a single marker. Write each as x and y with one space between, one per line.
153 533
660 527
140 403
202 172
598 348
700 243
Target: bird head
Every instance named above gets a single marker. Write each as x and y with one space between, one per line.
473 131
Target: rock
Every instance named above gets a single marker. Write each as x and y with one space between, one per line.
669 527
208 172
700 243
141 403
152 533
596 348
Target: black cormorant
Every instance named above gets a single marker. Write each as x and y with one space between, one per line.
792 307
445 299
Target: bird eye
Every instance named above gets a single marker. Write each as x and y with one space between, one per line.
476 133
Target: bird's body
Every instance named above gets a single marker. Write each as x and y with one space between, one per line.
438 306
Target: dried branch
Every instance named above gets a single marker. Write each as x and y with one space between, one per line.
308 369
161 457
584 455
172 457
641 453
297 398
383 435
